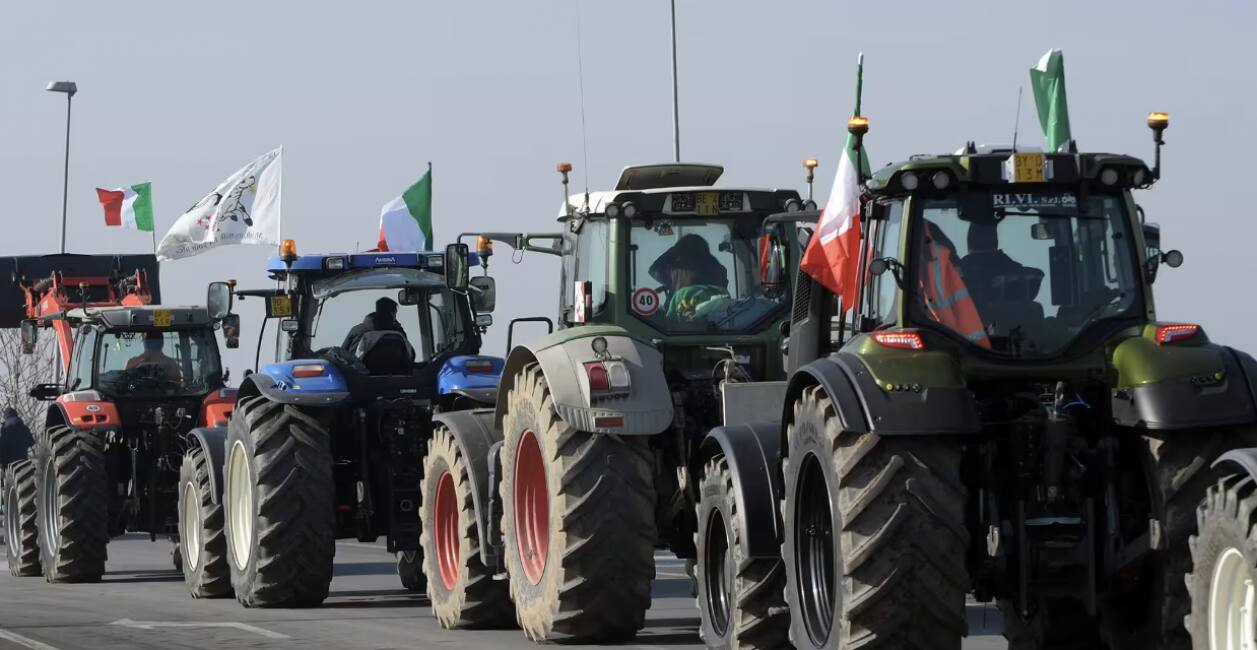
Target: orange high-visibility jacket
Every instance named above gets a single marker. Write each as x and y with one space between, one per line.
946 297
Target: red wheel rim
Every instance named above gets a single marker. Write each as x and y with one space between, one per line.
446 532
532 507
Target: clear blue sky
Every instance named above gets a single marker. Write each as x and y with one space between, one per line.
363 95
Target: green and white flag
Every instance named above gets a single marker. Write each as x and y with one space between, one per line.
1048 81
129 207
406 221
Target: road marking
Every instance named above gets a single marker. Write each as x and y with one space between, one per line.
25 642
148 625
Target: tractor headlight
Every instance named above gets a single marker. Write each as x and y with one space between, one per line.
941 180
1108 176
334 263
809 204
599 345
793 205
612 210
629 209
909 181
1137 179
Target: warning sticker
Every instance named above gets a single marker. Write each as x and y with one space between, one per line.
645 301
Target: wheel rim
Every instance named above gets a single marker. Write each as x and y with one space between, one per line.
190 526
1231 600
11 522
532 507
717 573
52 532
446 520
814 551
240 503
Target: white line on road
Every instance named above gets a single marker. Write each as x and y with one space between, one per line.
25 642
148 625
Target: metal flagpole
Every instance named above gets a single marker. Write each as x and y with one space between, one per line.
676 111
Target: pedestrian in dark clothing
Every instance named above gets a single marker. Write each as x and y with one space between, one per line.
15 438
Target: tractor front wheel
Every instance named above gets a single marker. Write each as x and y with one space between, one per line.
461 589
1223 581
578 521
21 532
280 498
202 548
73 505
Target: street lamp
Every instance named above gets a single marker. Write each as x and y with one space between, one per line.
69 88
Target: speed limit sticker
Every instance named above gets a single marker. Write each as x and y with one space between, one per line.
645 301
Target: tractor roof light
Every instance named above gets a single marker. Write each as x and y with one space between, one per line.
858 126
793 205
1109 176
484 246
899 339
909 181
1158 122
288 250
629 209
1176 332
612 210
941 180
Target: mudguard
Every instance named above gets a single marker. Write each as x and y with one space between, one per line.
1218 393
276 383
1244 460
475 433
646 410
753 453
895 409
213 442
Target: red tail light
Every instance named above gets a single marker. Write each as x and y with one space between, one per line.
607 377
599 382
478 365
309 370
899 340
1176 332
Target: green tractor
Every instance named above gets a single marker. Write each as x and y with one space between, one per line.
671 290
1002 416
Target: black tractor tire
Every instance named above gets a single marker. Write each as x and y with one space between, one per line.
410 571
202 549
875 539
21 547
279 461
461 589
1178 465
584 518
1225 543
741 600
73 504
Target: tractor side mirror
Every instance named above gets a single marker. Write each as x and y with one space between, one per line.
30 336
231 330
456 267
484 294
409 296
878 266
1172 259
771 268
46 392
218 300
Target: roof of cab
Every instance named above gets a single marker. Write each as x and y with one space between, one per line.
145 316
318 262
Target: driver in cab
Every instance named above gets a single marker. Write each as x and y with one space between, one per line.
155 359
694 279
383 319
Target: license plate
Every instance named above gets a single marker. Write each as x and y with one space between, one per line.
162 318
1028 168
707 203
281 307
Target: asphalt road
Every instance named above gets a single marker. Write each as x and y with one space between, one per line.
142 604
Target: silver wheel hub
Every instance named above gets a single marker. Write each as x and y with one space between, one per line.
190 526
1231 603
239 501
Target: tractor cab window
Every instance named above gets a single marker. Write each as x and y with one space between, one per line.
80 376
158 363
1024 272
883 294
699 275
586 261
430 322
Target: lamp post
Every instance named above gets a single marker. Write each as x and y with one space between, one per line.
69 88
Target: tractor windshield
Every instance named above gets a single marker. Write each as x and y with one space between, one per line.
430 317
1023 272
167 363
700 275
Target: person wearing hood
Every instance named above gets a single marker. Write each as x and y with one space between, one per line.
691 276
15 438
383 319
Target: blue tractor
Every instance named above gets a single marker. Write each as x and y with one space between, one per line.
328 443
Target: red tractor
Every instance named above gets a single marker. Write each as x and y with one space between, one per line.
136 380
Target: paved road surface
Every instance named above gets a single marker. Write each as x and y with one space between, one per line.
142 604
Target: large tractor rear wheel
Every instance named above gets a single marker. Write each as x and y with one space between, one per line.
280 498
461 589
73 505
740 599
1223 581
202 540
21 546
875 538
578 521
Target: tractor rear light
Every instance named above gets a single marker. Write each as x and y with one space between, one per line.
609 422
599 382
334 263
618 375
478 365
1176 332
100 417
85 418
900 340
607 377
288 250
309 370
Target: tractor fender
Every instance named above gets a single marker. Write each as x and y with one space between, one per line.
1223 393
753 453
646 410
279 391
213 441
475 435
1244 460
896 409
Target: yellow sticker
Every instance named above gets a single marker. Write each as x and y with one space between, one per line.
707 203
281 307
1028 168
162 318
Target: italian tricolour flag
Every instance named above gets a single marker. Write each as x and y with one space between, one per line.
833 251
129 207
406 221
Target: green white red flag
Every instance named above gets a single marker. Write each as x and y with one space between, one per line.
406 221
833 251
128 207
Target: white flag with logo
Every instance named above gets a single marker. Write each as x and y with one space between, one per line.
244 209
